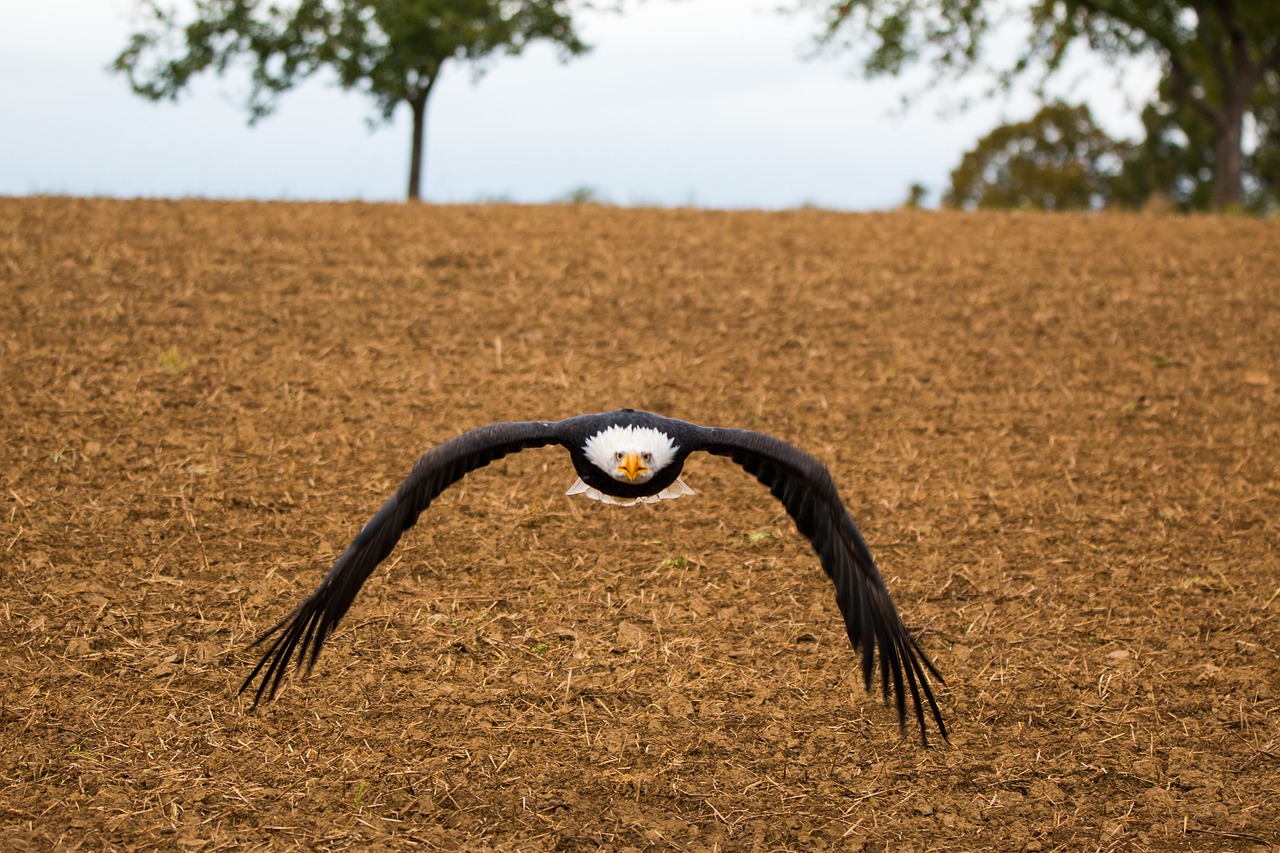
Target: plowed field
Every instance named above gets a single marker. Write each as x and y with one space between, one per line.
1060 435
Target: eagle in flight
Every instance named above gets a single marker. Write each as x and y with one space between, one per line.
624 457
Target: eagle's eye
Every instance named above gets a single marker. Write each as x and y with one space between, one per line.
618 456
647 456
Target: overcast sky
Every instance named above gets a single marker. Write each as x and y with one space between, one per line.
703 102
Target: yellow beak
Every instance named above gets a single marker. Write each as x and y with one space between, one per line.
632 466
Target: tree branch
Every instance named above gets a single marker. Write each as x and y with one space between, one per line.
1164 39
1181 80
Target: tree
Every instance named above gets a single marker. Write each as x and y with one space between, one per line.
1058 160
917 194
1174 161
392 50
1266 157
1215 53
1177 157
1061 160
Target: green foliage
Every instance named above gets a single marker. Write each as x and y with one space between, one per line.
583 195
391 50
1058 160
888 35
917 193
1177 160
1216 53
1265 163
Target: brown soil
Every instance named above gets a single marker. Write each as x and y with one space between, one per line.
1059 434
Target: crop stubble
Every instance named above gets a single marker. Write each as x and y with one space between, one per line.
1059 434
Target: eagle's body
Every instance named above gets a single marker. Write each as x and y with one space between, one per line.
624 457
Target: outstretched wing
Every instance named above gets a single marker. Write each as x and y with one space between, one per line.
806 489
304 631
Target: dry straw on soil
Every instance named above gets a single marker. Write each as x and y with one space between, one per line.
1059 434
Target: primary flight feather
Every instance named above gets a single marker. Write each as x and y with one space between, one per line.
625 457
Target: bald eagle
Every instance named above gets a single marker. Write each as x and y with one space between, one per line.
622 458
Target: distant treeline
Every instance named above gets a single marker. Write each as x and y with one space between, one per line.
1212 128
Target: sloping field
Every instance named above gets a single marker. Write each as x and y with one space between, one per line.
1060 434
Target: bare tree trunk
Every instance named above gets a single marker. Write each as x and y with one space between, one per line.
417 156
1228 170
419 107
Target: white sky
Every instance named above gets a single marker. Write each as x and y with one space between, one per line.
702 102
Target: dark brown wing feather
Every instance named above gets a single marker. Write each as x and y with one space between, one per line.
304 631
806 489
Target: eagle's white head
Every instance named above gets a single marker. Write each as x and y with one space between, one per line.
632 455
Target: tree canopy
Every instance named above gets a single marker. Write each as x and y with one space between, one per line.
1216 54
391 50
1177 158
1058 160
